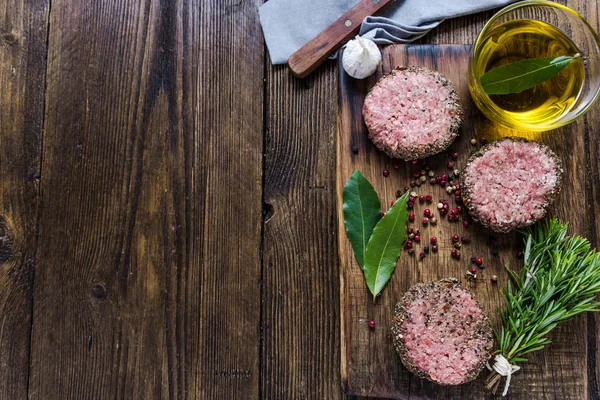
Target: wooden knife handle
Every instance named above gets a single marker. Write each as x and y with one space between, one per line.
313 53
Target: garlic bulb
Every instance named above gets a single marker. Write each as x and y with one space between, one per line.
361 58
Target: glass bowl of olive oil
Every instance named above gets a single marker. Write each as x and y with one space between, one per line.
536 29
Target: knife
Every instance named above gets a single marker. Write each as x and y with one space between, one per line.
308 57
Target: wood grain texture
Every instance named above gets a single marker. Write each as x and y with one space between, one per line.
369 364
148 282
23 35
300 304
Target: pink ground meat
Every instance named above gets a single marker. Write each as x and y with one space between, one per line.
509 184
412 111
440 334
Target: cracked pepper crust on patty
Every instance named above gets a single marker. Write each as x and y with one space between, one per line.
441 333
413 112
508 184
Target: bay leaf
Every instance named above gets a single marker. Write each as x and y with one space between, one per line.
385 245
522 75
362 211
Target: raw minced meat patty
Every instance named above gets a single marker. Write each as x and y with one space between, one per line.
413 113
441 333
508 184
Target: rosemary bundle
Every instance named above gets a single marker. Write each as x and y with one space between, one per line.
559 280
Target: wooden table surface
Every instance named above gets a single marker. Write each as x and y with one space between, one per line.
168 223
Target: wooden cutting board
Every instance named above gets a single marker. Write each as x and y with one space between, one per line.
369 365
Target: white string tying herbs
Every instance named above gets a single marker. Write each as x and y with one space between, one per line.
504 368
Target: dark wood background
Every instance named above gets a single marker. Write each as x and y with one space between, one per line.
168 222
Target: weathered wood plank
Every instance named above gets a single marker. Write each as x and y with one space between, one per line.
369 365
150 231
300 263
23 38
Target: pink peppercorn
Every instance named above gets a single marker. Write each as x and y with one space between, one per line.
433 240
396 166
429 198
427 212
455 156
479 261
418 239
415 162
455 238
466 223
386 172
371 324
411 217
421 199
425 221
473 270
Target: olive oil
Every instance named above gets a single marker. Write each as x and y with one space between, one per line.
523 39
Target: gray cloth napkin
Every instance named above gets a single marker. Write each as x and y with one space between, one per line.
288 24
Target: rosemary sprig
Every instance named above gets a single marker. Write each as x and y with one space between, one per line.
559 280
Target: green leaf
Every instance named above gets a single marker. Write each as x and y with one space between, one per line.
362 211
521 75
385 245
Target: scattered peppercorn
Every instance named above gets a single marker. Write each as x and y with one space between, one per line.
396 166
457 255
466 223
473 270
417 238
421 199
457 245
427 212
422 255
426 249
465 239
411 216
383 214
411 236
433 220
411 251
455 238
425 221
519 254
415 162
434 248
440 206
386 172
455 155
473 142
450 164
483 140
479 261
473 259
494 278
453 253
371 324
433 240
